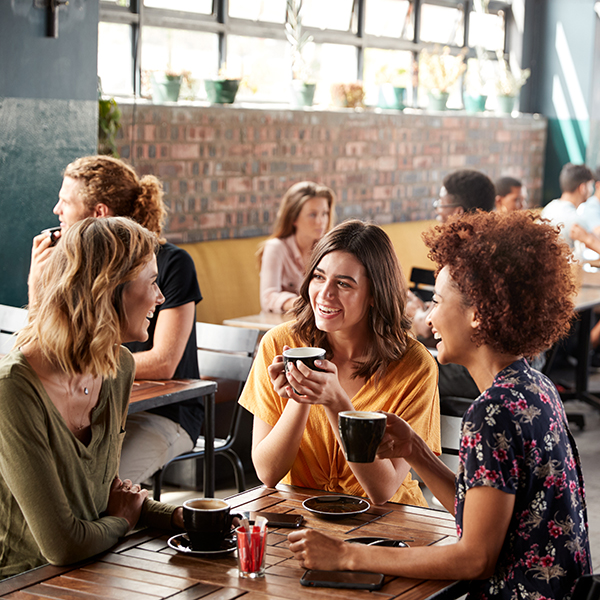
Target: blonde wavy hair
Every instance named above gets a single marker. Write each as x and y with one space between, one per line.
110 181
77 317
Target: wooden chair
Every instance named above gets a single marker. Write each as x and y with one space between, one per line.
11 320
225 355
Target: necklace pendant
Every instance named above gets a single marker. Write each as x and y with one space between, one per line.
85 391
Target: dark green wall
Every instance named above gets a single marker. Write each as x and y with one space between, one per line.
560 39
48 117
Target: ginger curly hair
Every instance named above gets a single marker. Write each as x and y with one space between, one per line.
515 270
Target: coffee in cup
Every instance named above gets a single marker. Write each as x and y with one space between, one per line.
306 355
361 433
207 522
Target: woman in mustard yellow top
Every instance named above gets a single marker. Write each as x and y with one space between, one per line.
352 304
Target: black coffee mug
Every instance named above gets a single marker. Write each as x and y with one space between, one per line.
361 433
207 521
305 355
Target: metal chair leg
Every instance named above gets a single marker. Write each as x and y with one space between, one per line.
157 484
238 469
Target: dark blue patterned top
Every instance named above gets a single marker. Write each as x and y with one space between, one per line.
515 438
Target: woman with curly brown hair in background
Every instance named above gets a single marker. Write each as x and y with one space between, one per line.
504 290
102 186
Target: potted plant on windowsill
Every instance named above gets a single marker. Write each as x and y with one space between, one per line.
438 72
508 84
475 93
348 95
392 87
167 84
303 85
223 89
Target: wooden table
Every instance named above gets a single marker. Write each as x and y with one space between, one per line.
261 321
144 567
148 394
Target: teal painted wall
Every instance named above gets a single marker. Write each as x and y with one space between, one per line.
562 74
48 117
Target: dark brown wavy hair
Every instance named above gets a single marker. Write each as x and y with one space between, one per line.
514 269
390 326
110 181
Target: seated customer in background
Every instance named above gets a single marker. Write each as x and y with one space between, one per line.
509 194
518 497
462 192
100 186
590 209
577 185
64 394
306 213
352 305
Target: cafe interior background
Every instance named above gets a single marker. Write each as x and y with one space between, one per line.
225 166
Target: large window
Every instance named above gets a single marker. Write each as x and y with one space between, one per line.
352 40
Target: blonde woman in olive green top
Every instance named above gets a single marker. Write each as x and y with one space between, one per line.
64 391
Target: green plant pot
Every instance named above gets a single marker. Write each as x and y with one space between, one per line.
303 93
505 104
165 88
474 104
391 96
438 100
221 91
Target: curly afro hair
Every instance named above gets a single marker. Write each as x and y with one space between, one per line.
515 270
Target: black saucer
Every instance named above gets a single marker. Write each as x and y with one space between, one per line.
182 544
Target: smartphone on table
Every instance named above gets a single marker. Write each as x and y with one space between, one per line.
359 580
289 520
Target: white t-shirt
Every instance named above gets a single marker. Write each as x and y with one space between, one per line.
564 213
589 212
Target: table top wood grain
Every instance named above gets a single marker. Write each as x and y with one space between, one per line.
147 394
144 567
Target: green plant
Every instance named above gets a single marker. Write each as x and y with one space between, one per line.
109 123
297 39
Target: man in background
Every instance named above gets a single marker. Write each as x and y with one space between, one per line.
509 194
461 192
577 185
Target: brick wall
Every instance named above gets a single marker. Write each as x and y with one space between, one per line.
225 169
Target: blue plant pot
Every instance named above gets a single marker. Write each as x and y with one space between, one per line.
474 104
165 88
391 96
438 100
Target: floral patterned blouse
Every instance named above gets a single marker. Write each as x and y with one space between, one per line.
515 438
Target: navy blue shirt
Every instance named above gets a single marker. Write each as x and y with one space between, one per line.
515 438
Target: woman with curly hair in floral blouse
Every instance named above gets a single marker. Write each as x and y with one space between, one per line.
504 291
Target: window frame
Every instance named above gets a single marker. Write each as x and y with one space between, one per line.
137 16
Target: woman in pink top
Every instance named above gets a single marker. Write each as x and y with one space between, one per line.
304 217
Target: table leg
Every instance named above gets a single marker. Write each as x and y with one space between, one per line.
209 446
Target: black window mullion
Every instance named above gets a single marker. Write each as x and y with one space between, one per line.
137 7
466 19
222 13
360 34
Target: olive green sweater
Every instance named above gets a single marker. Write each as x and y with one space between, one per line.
53 488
